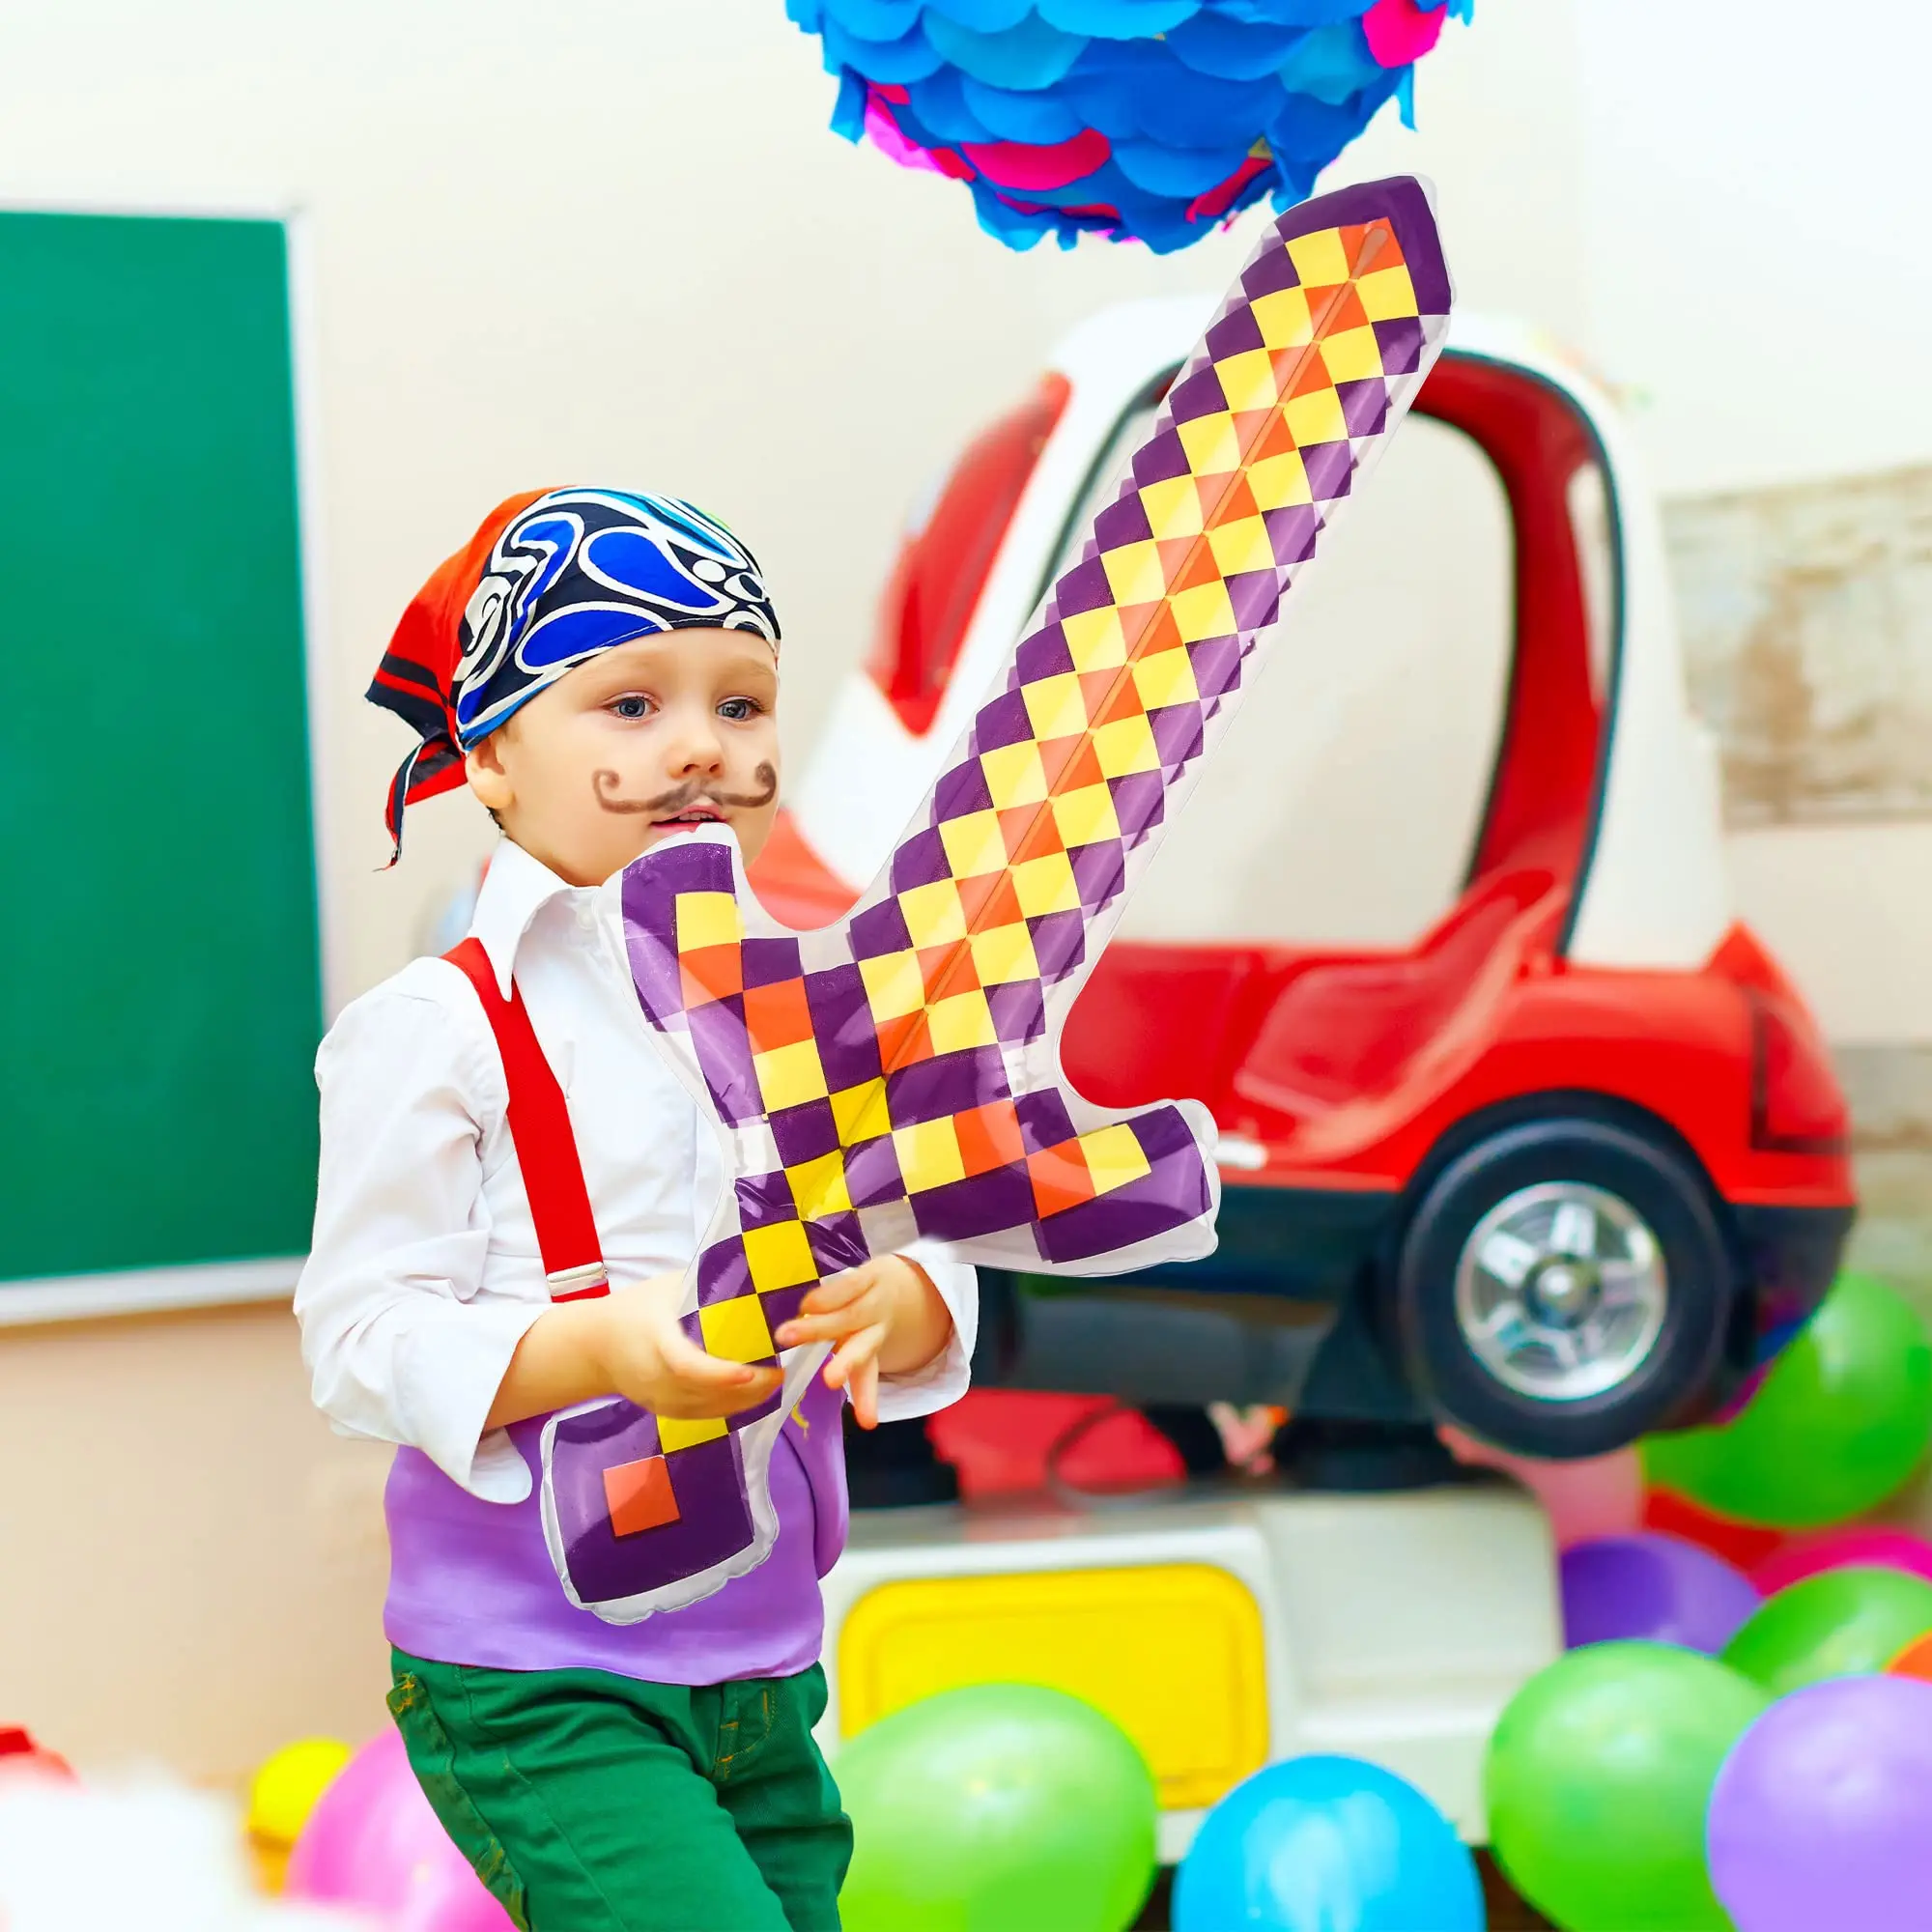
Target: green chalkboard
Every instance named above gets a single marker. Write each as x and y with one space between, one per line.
158 978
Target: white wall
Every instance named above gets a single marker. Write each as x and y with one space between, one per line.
613 239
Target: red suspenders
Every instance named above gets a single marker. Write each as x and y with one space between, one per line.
573 1257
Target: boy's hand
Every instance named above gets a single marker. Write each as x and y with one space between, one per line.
884 1314
644 1355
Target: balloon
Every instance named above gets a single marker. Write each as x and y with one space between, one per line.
1915 1659
997 1808
1658 1588
1842 1420
286 1790
22 1757
1601 1496
373 1841
1319 1842
1822 1815
1835 1624
1597 1779
1869 1547
1744 1546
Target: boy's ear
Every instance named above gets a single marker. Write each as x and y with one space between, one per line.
483 767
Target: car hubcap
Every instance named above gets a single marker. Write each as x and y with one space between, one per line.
1561 1291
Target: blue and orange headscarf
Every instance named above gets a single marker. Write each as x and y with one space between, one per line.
551 579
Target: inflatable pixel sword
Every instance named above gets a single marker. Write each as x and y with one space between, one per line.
896 1075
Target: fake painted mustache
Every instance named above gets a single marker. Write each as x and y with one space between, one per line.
667 805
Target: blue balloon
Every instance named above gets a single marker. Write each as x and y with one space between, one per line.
1326 1844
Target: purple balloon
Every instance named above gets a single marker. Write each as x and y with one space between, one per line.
1658 1589
1821 1814
373 1841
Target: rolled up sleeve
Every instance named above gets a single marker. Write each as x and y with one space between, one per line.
395 1348
946 1376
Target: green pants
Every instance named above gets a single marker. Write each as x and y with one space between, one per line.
591 1803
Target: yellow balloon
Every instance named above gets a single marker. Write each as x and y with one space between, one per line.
287 1786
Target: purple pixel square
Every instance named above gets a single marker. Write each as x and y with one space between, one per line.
1364 404
1059 943
878 929
982 1205
920 860
1098 873
769 962
1272 272
1044 654
1234 334
1083 588
1330 466
780 1304
1177 733
1001 719
1124 521
804 1133
841 1022
1160 457
1216 663
725 1058
961 790
1044 1121
872 1173
714 1520
1019 1009
948 1083
1253 596
763 1199
1198 393
837 1243
1400 340
1292 530
1138 804
723 1271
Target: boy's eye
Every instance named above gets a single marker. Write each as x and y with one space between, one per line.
739 709
630 705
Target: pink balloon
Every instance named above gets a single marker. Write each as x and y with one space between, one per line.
374 1842
1602 1495
1876 1548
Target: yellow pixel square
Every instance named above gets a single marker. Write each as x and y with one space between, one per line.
860 1112
1134 572
778 1257
1351 354
961 1022
1112 1158
1056 707
1173 508
676 1431
933 913
1093 638
1211 445
1086 816
707 918
1202 613
1248 380
1284 319
928 1154
1015 774
972 843
895 987
818 1187
1387 294
1127 745
789 1076
1166 678
1046 884
1320 259
1280 481
736 1330
1001 953
1316 417
1241 546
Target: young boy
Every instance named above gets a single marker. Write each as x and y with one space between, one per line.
602 668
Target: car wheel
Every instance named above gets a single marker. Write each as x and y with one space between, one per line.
1562 1288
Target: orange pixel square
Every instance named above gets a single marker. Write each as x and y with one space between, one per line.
638 1497
711 973
1060 1179
777 1015
988 1136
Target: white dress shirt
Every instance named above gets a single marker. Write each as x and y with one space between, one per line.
424 1272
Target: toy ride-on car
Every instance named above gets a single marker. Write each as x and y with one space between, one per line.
1521 1130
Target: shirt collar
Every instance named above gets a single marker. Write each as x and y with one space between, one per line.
515 888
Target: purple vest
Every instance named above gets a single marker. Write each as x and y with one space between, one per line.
472 1582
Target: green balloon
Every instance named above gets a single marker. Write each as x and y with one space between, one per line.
1597 1778
999 1807
1841 1623
1842 1420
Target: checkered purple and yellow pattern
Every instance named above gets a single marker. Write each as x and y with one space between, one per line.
896 1074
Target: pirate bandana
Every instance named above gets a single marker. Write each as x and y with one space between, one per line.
551 579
